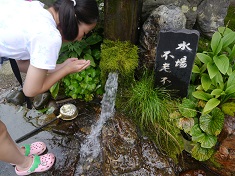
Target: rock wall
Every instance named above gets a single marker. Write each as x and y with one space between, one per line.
205 15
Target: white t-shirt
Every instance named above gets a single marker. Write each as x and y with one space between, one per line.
28 31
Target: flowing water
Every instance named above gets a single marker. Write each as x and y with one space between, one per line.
90 149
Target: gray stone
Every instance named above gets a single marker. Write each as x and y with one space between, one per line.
126 153
162 18
16 97
211 14
206 15
41 100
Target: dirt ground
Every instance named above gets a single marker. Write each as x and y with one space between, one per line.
7 79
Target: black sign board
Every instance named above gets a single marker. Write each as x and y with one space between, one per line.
176 51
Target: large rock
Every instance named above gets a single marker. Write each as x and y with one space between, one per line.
125 153
225 155
188 7
206 15
211 14
162 18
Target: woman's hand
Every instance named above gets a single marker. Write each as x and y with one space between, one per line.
67 63
74 65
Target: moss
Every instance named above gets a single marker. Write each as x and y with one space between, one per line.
117 56
229 108
229 20
203 45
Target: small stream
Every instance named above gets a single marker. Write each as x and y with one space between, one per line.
90 149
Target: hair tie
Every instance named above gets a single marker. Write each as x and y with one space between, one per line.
74 2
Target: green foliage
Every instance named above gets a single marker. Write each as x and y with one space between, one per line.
203 128
150 107
83 85
86 84
215 70
200 153
117 56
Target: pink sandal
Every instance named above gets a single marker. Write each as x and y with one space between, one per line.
35 148
40 164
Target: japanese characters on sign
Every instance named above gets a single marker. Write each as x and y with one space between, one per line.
176 52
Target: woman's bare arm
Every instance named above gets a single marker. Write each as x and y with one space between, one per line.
38 80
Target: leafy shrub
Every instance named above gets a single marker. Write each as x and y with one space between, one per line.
215 70
86 84
214 80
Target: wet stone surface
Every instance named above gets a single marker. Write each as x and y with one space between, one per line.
126 153
62 138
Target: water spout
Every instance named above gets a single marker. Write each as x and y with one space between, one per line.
90 149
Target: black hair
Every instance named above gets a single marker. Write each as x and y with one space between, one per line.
85 11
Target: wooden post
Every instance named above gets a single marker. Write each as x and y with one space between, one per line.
122 19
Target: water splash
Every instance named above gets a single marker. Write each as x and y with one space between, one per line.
90 149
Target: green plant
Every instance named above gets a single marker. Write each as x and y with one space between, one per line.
85 84
214 82
203 128
215 70
150 108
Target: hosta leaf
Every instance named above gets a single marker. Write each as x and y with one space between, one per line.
218 81
217 92
230 71
206 82
230 89
204 58
200 153
232 52
212 69
231 80
55 89
195 69
187 108
212 123
199 88
211 104
203 68
224 30
228 39
222 62
202 95
216 43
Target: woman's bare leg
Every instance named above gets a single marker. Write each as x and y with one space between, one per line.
9 152
23 65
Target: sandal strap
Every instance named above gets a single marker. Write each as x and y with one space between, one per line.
36 162
27 149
